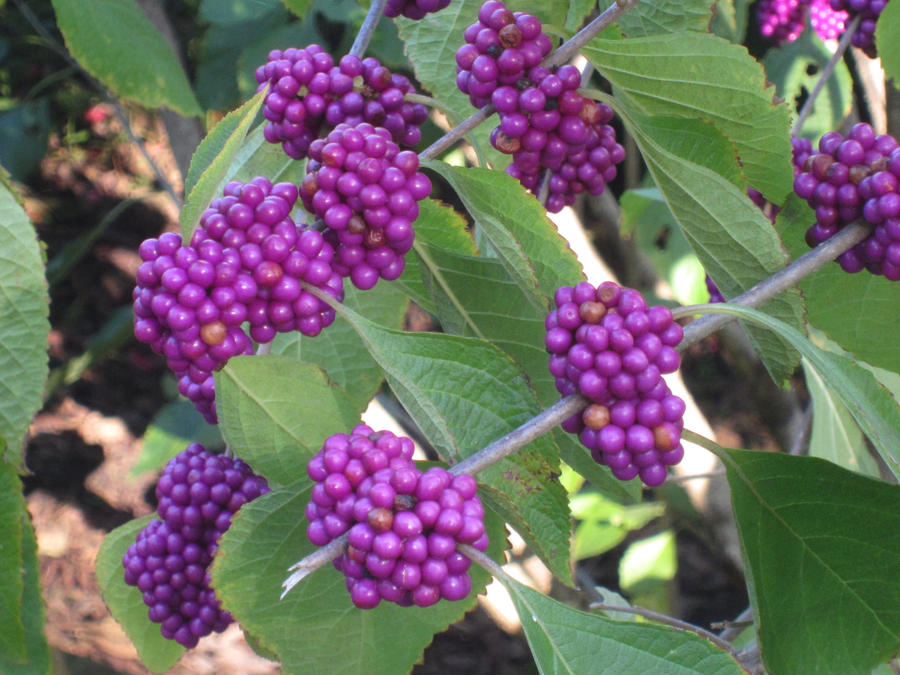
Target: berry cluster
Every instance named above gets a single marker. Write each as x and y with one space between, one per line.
403 524
500 48
868 11
784 20
169 563
850 178
366 191
308 95
245 262
606 344
413 9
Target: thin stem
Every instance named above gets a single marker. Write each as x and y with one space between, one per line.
106 93
318 558
263 348
826 73
695 476
782 280
565 52
369 24
731 629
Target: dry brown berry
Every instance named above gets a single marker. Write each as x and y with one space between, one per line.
213 333
595 416
818 165
507 144
608 293
664 439
310 183
374 238
858 172
356 225
591 312
380 519
356 555
268 273
510 35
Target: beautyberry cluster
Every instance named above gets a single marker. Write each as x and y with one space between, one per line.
868 11
245 262
608 345
198 494
404 524
413 9
500 48
366 191
784 20
851 178
309 95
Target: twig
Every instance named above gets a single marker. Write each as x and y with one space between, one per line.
694 476
566 51
731 629
802 437
106 93
369 24
826 73
782 280
314 561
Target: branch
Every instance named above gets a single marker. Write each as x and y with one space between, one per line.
826 73
369 24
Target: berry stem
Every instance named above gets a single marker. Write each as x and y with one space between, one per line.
782 280
807 108
369 24
563 53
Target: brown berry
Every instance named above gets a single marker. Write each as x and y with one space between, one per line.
664 438
595 416
818 165
380 519
356 225
213 333
506 144
374 237
268 273
591 312
608 293
310 183
510 35
356 554
858 172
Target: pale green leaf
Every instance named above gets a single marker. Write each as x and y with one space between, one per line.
24 324
116 43
822 558
214 162
796 67
578 10
126 604
276 411
835 436
567 640
872 406
702 76
655 18
648 561
315 628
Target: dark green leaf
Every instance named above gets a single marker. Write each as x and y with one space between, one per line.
298 7
276 412
701 76
116 43
12 585
24 308
24 130
823 559
173 428
235 11
886 31
216 153
315 628
126 604
567 640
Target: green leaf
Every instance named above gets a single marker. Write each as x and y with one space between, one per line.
12 586
235 11
606 523
126 604
647 562
835 436
465 393
857 311
701 76
872 406
216 154
656 18
734 241
340 352
24 308
258 157
567 640
431 44
578 10
886 31
796 67
173 428
116 43
297 7
730 19
315 628
535 255
276 412
823 559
